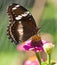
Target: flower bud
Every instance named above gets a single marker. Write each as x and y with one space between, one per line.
48 47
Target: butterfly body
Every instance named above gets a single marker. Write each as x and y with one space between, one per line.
21 24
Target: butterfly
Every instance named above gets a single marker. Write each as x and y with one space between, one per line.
22 25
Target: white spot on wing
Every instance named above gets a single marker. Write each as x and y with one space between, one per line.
25 14
14 8
20 30
22 15
17 6
18 17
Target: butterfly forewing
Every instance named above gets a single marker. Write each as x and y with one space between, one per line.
22 25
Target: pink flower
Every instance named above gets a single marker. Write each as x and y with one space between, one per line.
29 62
35 44
48 48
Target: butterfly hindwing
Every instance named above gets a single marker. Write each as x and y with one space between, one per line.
22 25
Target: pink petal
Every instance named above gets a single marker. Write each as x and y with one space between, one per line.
29 62
20 47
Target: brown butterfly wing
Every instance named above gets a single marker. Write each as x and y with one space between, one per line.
22 25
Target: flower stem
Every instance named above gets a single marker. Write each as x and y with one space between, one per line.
38 57
49 59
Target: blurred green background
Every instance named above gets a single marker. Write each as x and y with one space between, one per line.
48 18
